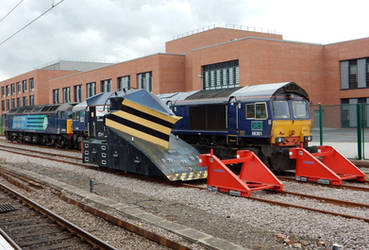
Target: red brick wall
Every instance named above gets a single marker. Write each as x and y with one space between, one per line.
263 61
209 37
335 53
167 75
41 86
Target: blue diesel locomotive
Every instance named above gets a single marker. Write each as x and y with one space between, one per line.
267 119
40 124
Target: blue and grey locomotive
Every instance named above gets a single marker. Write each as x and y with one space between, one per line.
267 119
41 124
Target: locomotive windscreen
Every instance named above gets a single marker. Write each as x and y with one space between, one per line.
208 117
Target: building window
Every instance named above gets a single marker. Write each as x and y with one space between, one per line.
7 90
353 74
221 75
7 104
12 88
25 101
144 81
18 102
32 100
2 105
2 91
66 95
13 103
106 85
18 87
367 71
78 93
31 84
24 83
56 96
124 82
91 89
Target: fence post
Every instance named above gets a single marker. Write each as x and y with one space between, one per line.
321 124
358 120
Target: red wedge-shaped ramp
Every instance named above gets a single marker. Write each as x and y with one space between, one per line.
327 166
254 174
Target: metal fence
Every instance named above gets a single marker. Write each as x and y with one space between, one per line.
345 126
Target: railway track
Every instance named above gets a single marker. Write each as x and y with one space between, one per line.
28 184
51 156
32 226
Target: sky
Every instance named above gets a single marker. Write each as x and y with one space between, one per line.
114 31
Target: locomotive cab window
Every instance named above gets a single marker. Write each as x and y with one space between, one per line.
256 111
300 109
260 109
281 110
250 111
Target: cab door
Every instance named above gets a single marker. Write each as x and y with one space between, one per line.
232 117
62 122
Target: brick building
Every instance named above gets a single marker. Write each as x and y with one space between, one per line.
215 58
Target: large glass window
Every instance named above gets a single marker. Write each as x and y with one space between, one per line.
124 82
18 102
7 104
281 110
25 101
91 89
32 100
31 84
12 87
24 83
106 85
7 90
18 87
56 96
78 93
221 75
2 91
367 72
2 105
353 74
144 81
300 109
13 103
66 95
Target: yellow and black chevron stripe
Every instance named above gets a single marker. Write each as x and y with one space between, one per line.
142 122
187 176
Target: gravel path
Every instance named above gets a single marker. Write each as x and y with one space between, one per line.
246 222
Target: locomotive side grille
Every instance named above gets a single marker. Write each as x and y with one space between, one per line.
208 117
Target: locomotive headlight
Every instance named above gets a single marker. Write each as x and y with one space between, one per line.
279 139
308 138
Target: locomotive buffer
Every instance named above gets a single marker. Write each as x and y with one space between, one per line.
131 131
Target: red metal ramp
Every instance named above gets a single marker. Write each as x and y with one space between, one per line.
327 166
254 174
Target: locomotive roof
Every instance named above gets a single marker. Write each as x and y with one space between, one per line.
260 91
47 108
139 96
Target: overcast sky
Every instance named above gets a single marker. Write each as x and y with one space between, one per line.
119 30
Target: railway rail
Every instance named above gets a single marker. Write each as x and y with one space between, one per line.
32 226
202 186
17 180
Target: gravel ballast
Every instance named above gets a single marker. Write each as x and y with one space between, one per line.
248 223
